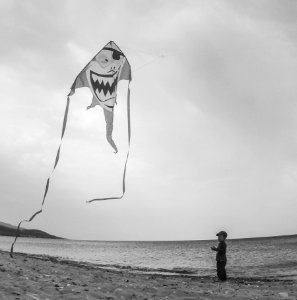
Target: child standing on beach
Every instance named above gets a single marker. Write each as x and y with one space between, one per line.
221 255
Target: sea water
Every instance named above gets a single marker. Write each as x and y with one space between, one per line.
262 257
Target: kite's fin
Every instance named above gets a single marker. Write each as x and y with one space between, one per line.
93 104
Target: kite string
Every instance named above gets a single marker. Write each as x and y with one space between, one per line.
139 50
127 157
154 55
48 180
148 63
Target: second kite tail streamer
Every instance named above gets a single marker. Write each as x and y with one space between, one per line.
127 157
48 180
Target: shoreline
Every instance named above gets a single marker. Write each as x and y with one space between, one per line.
29 276
144 271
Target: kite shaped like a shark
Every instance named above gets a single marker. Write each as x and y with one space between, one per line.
101 75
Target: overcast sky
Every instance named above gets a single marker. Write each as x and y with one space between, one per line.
213 105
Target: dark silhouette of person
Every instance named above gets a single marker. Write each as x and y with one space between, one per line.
221 255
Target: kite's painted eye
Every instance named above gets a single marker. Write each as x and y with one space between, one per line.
116 55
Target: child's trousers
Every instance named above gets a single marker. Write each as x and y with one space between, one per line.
221 270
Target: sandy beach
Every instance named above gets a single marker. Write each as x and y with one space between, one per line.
34 277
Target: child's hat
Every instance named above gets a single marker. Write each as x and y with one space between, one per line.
223 233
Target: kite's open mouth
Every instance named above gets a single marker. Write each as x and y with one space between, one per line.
104 86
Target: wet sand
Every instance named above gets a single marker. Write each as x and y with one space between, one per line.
33 277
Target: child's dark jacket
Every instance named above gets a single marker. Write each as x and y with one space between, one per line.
221 251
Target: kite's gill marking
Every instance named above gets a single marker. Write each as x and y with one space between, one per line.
101 86
109 106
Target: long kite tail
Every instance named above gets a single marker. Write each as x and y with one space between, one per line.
127 157
57 160
48 180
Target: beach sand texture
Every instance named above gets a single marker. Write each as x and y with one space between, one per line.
31 277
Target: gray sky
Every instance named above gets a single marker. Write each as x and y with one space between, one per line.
213 118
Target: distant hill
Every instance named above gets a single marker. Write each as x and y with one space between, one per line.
10 230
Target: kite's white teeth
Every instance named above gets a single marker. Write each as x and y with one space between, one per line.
95 78
108 79
102 96
104 87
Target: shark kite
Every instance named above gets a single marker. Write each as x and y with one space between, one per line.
101 75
